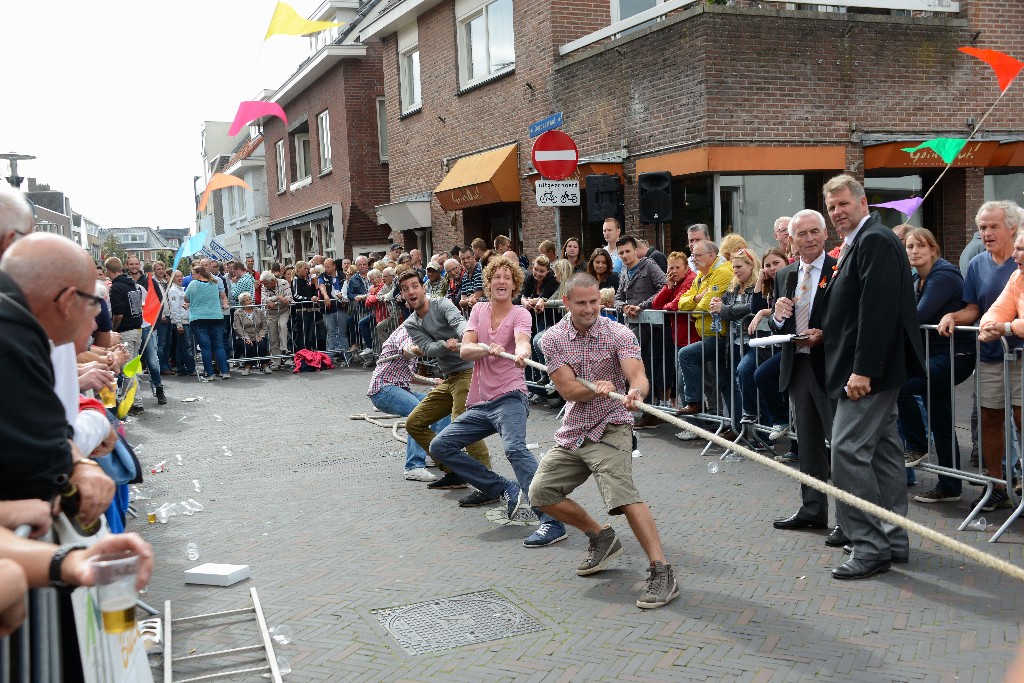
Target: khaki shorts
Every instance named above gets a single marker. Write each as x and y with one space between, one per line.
610 460
990 375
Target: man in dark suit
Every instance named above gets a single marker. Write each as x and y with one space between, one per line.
802 364
872 345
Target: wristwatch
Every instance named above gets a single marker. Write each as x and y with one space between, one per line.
1007 329
55 564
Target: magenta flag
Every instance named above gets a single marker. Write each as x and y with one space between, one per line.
905 206
250 111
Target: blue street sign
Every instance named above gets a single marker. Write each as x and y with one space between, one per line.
550 123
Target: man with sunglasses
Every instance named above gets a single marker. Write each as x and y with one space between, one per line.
34 314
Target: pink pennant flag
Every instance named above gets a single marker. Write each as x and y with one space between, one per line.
908 207
250 111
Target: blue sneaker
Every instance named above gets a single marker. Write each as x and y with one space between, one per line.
512 499
546 534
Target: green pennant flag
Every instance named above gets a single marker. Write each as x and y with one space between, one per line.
947 148
132 367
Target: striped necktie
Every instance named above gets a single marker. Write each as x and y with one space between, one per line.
803 301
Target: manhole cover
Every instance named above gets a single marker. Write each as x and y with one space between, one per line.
453 622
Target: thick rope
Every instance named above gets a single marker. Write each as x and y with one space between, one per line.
982 558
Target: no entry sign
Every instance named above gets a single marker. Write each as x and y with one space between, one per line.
555 155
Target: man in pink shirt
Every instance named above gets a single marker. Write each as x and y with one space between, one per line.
497 401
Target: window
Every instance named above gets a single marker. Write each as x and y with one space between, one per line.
282 176
302 165
486 42
409 72
323 128
382 129
624 9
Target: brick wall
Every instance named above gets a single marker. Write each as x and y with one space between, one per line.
357 180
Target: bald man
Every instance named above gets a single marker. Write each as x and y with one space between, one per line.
35 312
16 219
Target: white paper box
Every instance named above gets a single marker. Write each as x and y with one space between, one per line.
211 574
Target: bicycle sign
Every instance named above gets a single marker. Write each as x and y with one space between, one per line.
558 193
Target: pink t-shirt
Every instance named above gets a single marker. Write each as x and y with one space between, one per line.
494 376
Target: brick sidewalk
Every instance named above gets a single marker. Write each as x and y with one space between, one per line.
316 504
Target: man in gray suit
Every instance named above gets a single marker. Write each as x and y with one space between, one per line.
802 367
872 345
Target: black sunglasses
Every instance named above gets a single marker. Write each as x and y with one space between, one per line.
97 300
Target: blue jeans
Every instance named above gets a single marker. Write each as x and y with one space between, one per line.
775 402
505 415
163 337
227 338
398 401
691 366
336 322
209 334
151 355
941 413
185 351
366 324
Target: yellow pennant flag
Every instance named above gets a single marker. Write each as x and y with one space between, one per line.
129 398
286 21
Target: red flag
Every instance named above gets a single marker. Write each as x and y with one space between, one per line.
151 309
1005 66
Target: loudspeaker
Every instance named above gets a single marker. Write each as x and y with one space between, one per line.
602 197
655 197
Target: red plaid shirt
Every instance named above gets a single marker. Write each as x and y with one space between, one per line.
397 372
592 355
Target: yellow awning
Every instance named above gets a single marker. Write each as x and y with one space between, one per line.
485 178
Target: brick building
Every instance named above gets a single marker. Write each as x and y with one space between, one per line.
326 169
749 107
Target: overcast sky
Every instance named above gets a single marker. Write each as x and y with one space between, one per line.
110 96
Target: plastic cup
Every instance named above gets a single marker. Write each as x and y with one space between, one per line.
978 524
282 634
114 577
151 509
713 467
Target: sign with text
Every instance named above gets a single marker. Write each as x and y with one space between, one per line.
558 193
544 125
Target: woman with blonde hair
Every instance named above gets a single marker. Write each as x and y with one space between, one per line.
731 243
734 307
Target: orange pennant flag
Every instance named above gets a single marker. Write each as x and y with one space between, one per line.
1005 66
151 309
217 182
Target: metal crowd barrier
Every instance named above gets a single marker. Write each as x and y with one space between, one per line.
32 654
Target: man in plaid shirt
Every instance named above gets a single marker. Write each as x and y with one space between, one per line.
596 435
391 392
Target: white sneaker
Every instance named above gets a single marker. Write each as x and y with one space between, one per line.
637 453
687 436
778 431
419 474
245 372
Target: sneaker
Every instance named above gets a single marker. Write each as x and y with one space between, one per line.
419 474
997 500
366 354
512 498
160 397
937 495
476 499
546 534
246 372
204 378
913 458
266 370
604 547
788 457
687 436
637 453
224 376
661 587
749 420
449 481
778 431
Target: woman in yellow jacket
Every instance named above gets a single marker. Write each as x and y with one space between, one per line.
712 281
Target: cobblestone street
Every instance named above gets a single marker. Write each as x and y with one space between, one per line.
316 504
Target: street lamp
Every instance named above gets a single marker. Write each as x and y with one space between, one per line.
14 179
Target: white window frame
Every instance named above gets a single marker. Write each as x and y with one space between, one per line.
282 167
303 164
616 14
323 131
382 130
478 10
412 95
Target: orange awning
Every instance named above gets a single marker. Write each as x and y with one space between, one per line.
590 168
485 178
1008 154
891 155
745 160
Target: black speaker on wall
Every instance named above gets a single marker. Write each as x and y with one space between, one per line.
602 197
655 197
